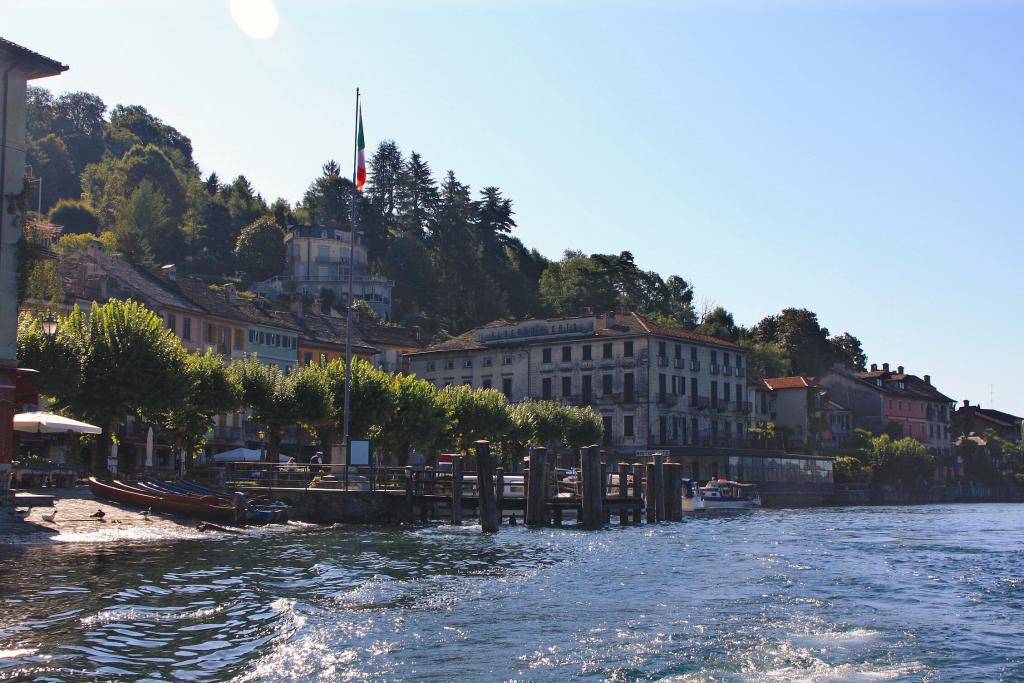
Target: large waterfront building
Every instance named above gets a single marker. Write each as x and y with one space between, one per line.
883 400
654 386
317 259
973 419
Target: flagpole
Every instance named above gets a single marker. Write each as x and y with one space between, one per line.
345 437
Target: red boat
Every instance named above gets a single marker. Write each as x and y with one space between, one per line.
200 507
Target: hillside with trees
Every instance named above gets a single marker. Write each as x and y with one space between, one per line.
452 252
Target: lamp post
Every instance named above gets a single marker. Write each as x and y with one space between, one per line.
262 436
49 325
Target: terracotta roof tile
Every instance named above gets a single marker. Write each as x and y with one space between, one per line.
794 382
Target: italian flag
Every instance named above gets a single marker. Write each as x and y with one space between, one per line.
361 155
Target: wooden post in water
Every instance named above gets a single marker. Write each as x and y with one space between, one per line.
593 503
456 489
606 510
499 492
487 506
651 497
409 492
623 492
586 506
536 487
659 485
673 491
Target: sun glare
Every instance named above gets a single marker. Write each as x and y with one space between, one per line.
256 18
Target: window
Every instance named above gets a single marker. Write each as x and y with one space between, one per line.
186 328
566 386
682 386
607 420
627 349
468 380
662 382
662 429
566 354
506 386
714 357
545 389
739 361
209 333
714 394
725 392
308 358
449 364
431 365
587 388
487 383
627 425
507 360
468 363
726 358
627 387
260 336
252 336
546 356
488 362
662 348
171 322
693 353
586 352
606 350
679 350
693 390
890 402
606 385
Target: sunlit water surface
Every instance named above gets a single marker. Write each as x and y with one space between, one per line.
861 594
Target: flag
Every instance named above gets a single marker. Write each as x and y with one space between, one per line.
361 155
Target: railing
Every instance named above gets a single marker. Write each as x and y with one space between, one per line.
695 365
662 361
699 402
679 363
727 370
713 368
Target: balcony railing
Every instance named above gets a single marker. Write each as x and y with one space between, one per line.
662 361
713 368
679 363
700 402
744 407
695 365
727 370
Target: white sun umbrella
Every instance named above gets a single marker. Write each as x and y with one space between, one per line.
48 423
149 450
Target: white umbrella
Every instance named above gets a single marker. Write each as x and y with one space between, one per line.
48 423
149 450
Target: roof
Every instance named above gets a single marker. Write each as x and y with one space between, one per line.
992 415
124 279
913 386
259 312
793 382
321 329
393 335
619 325
199 293
34 64
834 406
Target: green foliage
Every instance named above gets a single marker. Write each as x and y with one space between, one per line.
75 216
79 242
50 160
763 432
419 420
144 230
475 414
44 282
847 350
212 391
581 426
260 249
371 397
850 470
904 460
119 360
719 323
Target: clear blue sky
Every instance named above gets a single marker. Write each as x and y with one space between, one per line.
861 159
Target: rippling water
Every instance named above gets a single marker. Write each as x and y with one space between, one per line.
863 594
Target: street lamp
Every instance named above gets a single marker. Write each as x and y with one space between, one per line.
262 436
49 325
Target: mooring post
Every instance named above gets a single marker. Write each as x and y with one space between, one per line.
673 491
537 491
585 506
651 493
456 489
593 513
659 485
606 509
623 492
409 492
485 488
499 492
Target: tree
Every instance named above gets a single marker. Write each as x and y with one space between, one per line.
44 282
151 130
143 228
408 263
329 199
118 361
79 113
419 420
719 323
383 186
260 249
801 338
900 460
418 196
581 426
371 398
212 391
847 349
68 244
278 401
475 414
576 282
50 160
75 216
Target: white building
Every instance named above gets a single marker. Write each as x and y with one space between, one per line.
654 386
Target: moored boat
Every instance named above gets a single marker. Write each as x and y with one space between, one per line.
723 494
692 501
205 507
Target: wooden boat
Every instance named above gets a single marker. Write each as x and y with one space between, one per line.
209 508
257 512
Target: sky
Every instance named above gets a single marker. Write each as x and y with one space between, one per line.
862 159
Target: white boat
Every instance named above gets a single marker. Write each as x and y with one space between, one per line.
722 494
692 501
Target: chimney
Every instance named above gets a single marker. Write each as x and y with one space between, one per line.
967 404
170 272
314 307
899 369
296 304
874 367
610 318
927 379
885 367
229 292
94 248
418 332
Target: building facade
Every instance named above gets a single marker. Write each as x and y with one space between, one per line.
317 259
973 419
654 386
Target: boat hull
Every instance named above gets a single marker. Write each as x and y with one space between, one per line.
729 505
201 507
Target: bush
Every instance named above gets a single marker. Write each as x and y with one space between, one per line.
904 460
75 216
850 470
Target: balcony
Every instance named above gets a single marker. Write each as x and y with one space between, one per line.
667 399
713 368
662 361
679 363
700 402
744 407
695 365
727 370
586 365
547 367
565 365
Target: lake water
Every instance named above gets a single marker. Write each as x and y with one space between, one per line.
863 594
